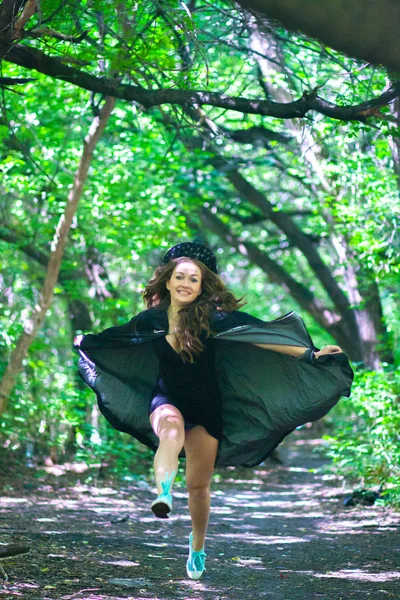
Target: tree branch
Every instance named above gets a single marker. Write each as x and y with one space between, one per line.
48 32
31 58
327 319
9 10
366 29
13 237
257 135
255 218
93 270
14 14
5 81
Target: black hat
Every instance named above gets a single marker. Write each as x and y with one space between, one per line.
191 250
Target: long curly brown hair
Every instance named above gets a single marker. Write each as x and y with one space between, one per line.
193 320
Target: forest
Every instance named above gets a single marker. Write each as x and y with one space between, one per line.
268 134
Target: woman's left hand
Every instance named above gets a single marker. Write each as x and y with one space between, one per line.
328 350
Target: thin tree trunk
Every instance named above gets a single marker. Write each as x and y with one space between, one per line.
60 239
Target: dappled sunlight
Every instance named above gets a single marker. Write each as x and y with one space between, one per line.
269 540
360 575
119 563
155 544
264 540
21 586
288 515
253 562
76 467
275 503
50 532
195 586
223 510
348 525
290 530
152 531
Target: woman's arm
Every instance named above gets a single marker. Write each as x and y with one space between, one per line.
298 351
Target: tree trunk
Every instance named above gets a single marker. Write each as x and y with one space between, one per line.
368 30
79 316
325 317
346 328
365 308
299 239
394 141
59 242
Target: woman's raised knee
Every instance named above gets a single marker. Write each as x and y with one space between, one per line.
167 423
171 428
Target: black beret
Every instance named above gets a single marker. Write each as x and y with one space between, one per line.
191 250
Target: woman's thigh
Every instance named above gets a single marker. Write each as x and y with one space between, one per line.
201 451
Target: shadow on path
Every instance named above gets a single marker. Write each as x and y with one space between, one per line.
277 532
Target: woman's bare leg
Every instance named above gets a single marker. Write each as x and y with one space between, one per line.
201 451
167 423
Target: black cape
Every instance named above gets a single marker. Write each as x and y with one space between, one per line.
265 394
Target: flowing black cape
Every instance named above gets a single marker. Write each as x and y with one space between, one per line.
265 394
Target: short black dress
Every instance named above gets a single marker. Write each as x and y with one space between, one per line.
191 387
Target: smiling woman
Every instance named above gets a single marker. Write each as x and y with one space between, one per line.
193 374
184 285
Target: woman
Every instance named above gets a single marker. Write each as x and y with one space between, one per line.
216 383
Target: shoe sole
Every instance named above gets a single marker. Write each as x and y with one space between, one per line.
194 574
161 510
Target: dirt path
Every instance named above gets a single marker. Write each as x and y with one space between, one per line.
276 532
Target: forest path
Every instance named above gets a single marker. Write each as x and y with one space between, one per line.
278 532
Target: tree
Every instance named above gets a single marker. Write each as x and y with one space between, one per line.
365 29
354 315
282 152
59 243
146 38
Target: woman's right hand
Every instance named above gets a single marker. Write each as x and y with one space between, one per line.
328 350
78 340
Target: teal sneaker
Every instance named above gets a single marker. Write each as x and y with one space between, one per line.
195 565
162 505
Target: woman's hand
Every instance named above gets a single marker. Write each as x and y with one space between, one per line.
328 350
78 340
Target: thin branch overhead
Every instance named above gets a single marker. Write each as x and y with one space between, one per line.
32 58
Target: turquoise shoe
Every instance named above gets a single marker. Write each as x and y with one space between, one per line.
162 505
195 565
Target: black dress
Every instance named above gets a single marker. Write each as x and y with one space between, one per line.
191 387
265 395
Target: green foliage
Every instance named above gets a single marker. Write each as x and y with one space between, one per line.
365 444
154 172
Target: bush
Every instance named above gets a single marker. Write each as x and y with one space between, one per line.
365 443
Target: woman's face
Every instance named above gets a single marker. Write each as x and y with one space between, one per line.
185 284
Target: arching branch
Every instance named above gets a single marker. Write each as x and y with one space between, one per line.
31 58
